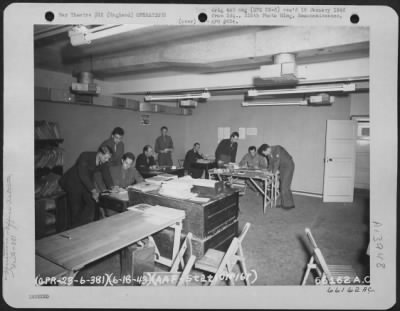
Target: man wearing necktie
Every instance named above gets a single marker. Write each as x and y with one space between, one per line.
163 147
116 144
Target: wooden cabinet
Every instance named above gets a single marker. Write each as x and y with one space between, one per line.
213 224
202 219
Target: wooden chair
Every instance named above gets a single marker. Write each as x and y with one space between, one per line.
180 162
221 264
174 277
328 274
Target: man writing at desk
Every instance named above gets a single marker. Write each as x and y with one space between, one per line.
253 160
191 157
145 160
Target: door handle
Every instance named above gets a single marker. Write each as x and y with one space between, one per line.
330 159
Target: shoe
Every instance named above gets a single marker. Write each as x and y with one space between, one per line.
288 207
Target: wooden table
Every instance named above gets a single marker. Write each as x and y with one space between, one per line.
270 191
165 170
75 248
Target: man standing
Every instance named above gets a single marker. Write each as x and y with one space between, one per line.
78 183
280 160
227 148
252 159
191 157
163 148
116 144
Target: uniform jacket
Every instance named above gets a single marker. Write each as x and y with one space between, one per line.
191 158
143 163
124 178
279 158
253 162
163 142
81 175
226 150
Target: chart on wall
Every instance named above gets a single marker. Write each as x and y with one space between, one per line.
223 132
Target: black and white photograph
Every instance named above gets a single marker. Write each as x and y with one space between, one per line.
218 153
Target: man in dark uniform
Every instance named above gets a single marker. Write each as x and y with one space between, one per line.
145 160
116 144
227 148
191 157
163 147
280 160
78 183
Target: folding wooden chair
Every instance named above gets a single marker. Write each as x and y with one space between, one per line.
174 277
328 274
221 264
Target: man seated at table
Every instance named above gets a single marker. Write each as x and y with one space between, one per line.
145 160
191 157
252 159
125 174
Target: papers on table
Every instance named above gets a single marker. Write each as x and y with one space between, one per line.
145 186
181 188
198 182
159 179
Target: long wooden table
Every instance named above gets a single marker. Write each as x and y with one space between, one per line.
270 189
75 248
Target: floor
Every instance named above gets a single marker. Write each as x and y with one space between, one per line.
276 247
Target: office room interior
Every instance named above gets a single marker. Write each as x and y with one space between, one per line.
303 91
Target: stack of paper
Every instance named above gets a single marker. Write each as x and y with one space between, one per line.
159 179
177 189
145 186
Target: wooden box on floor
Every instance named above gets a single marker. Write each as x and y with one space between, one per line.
202 219
135 261
220 240
51 215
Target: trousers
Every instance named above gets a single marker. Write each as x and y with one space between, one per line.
286 176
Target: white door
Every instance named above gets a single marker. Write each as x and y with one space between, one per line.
340 151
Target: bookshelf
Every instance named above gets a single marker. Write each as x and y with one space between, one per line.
51 212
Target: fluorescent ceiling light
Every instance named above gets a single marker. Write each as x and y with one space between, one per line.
80 35
270 103
203 95
304 90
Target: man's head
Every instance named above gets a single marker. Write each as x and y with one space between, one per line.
117 135
264 150
234 137
104 154
164 130
148 151
127 160
196 147
252 150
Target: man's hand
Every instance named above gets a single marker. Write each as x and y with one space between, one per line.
95 195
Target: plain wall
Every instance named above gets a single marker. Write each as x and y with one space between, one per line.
359 104
84 128
300 130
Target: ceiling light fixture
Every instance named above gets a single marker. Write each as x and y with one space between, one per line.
80 34
269 103
203 95
304 90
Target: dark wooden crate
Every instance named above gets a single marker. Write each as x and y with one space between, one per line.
201 220
114 204
220 240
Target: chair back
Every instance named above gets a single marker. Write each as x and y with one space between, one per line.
319 258
186 250
244 232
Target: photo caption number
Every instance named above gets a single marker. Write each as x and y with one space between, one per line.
377 239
